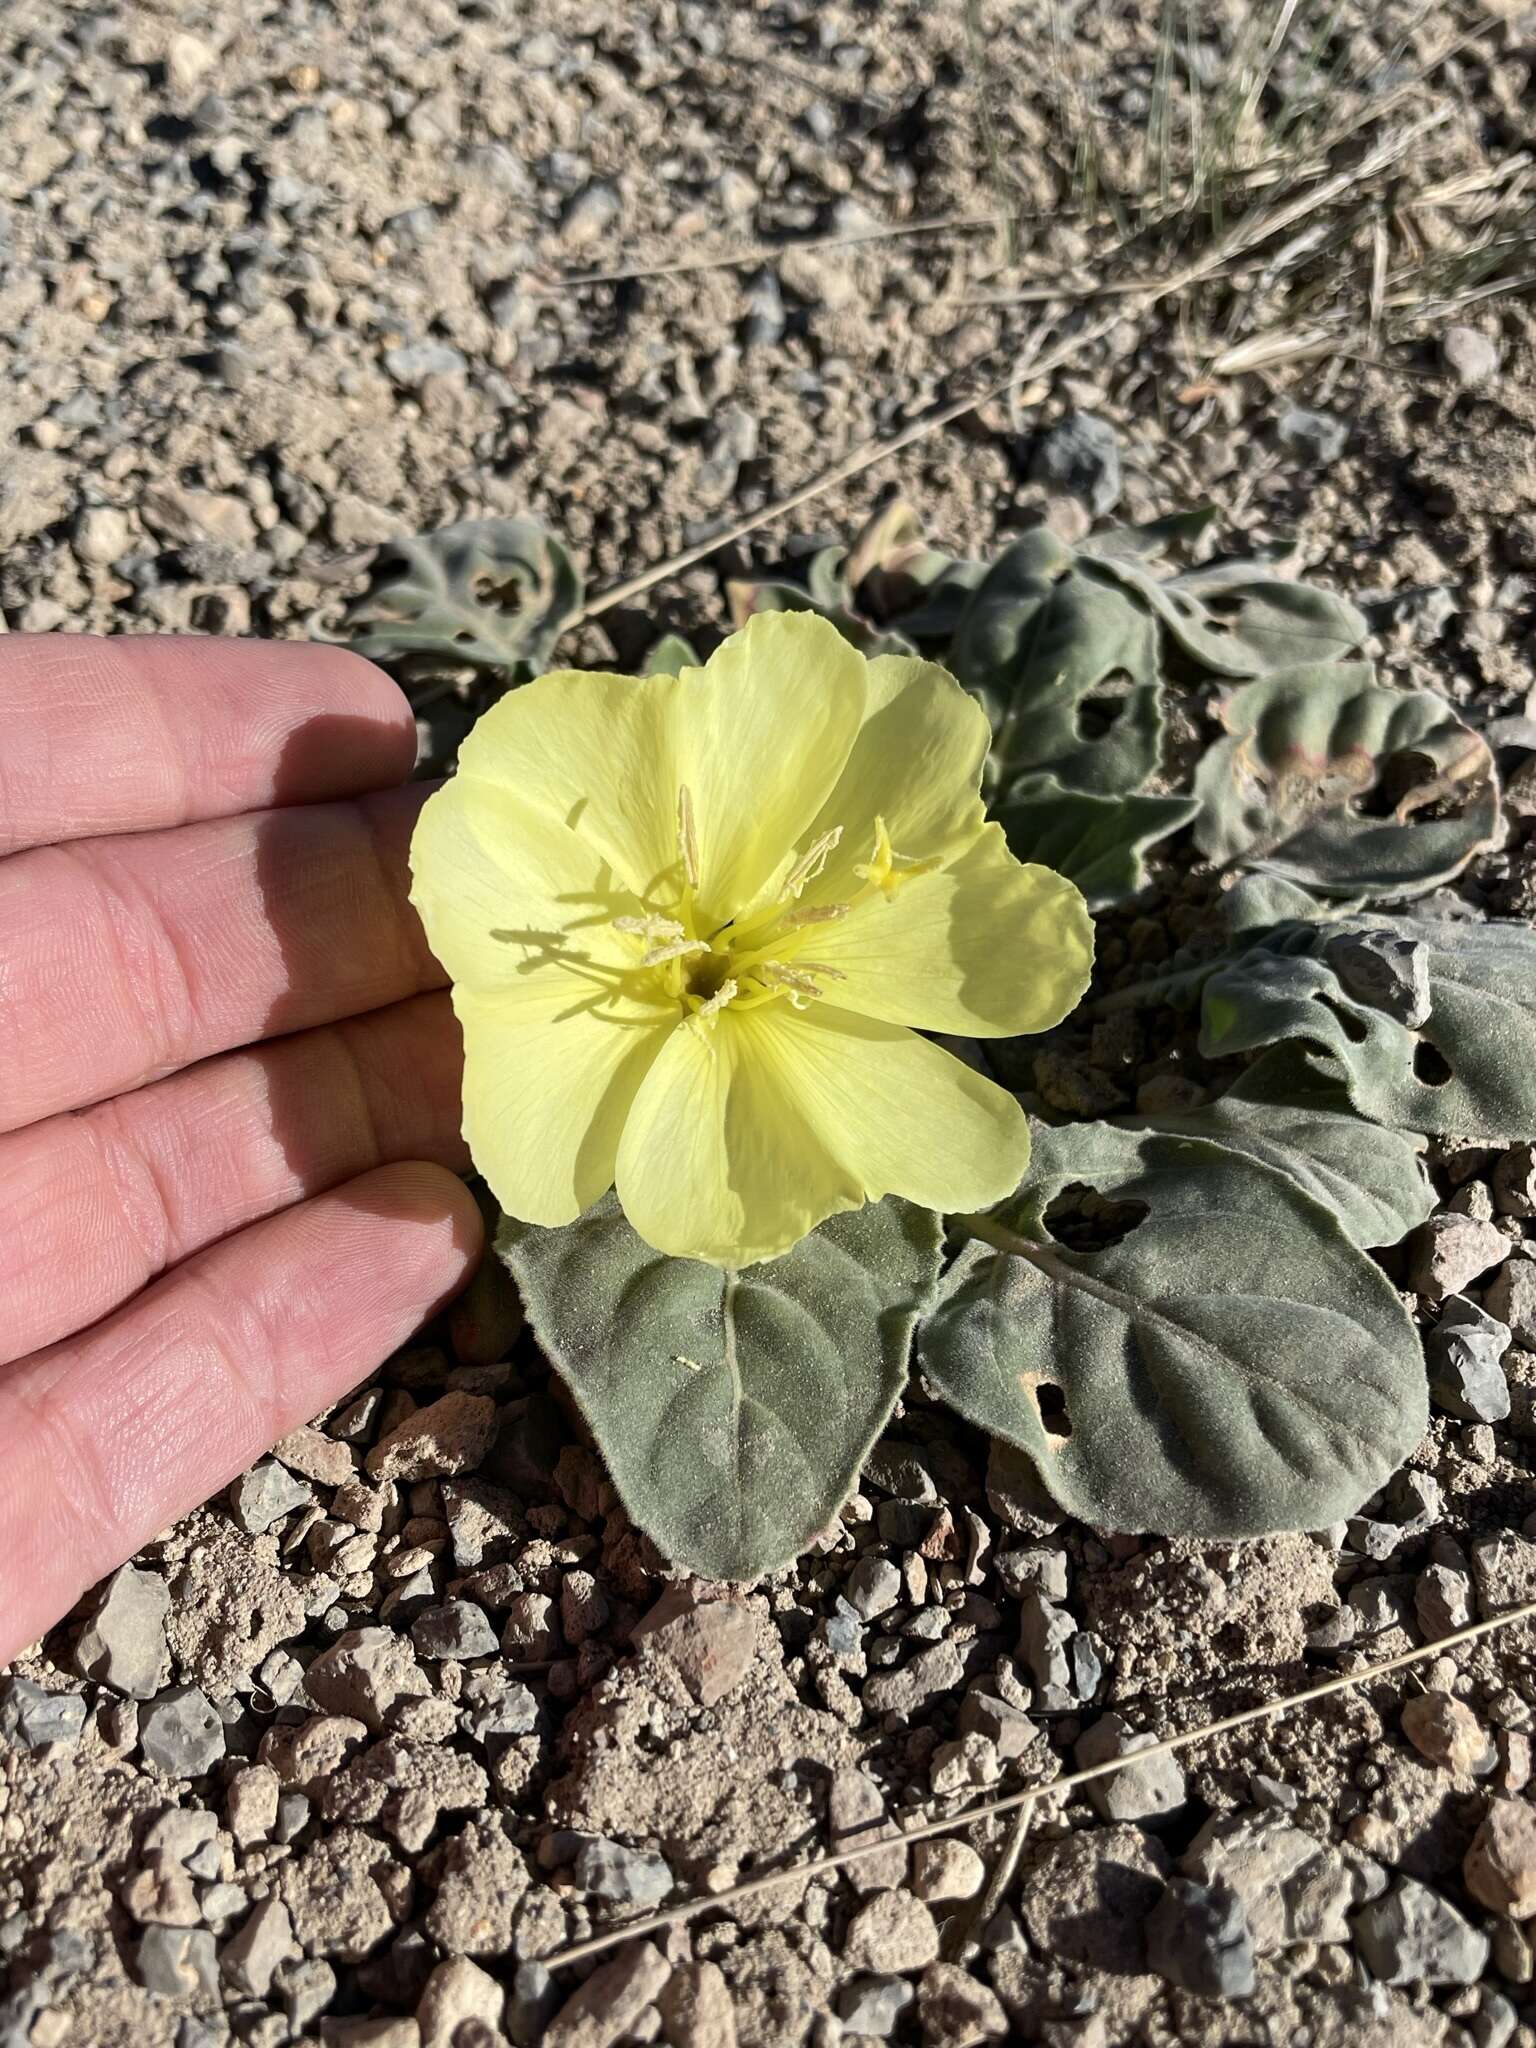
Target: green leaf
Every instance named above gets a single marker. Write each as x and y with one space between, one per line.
1470 1072
1307 746
1152 538
1233 1366
1064 661
1235 620
490 594
1095 841
734 1409
670 656
746 598
1372 1179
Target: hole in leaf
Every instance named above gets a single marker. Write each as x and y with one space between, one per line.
1083 1220
1224 605
1099 707
1351 1025
1052 1403
1430 1065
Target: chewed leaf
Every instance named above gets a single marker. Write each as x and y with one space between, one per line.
1152 538
1333 781
1232 618
886 594
1065 663
1371 1178
490 594
1095 841
1232 1366
734 1409
1469 1072
745 599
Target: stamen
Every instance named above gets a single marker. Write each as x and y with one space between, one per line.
799 976
687 837
814 913
812 862
723 996
651 927
673 949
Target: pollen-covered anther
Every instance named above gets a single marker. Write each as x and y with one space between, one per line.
652 927
814 913
722 999
687 837
799 980
673 949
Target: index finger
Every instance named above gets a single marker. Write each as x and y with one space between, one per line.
127 734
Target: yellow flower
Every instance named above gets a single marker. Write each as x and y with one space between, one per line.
689 921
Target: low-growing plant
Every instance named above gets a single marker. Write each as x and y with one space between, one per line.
704 925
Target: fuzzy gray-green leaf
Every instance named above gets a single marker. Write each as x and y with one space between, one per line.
733 1409
1307 745
1233 1366
489 594
1095 841
1470 1071
1371 1178
1064 660
1236 620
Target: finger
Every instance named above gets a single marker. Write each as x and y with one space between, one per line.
106 1439
126 734
148 1178
123 959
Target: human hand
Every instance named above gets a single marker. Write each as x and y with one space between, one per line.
229 1100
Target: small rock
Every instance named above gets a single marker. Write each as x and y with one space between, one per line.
251 1956
1446 1730
188 59
1315 436
456 1629
450 1435
35 1718
1384 971
1086 1897
1511 1297
605 2007
873 1587
250 1804
944 1868
317 1456
588 213
1411 1935
584 1607
892 1934
958 2011
1470 357
180 1733
873 2005
1505 1570
161 1895
1033 1569
696 2008
102 534
856 1814
1198 1938
413 364
178 1962
265 1494
630 1877
457 1993
1464 1350
364 1674
1081 455
765 319
186 517
1514 1182
1442 1601
532 2000
1500 1866
123 1645
1446 1254
710 1643
1138 1791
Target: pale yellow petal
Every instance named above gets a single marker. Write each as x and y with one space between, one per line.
547 1089
916 763
741 1142
595 753
763 731
504 891
985 948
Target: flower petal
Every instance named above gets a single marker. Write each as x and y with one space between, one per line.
547 1090
916 763
742 1141
986 948
593 753
504 891
763 731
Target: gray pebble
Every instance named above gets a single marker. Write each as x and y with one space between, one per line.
1081 454
1198 1938
265 1494
531 2002
1471 358
123 1645
178 1962
34 1718
456 1629
630 1877
1464 1350
873 2005
1315 436
873 1587
412 364
1411 1935
1139 1791
181 1733
765 322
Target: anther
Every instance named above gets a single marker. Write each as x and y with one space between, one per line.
687 837
812 862
673 949
652 927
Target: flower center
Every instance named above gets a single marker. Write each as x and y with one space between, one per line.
748 963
